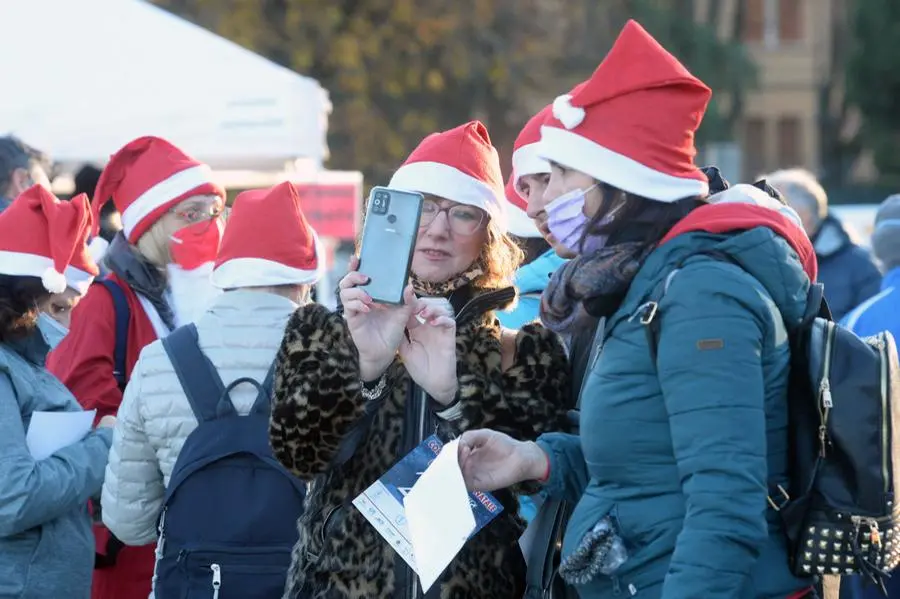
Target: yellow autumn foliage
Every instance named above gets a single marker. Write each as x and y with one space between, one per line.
398 70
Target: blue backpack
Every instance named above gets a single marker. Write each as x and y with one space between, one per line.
229 519
109 555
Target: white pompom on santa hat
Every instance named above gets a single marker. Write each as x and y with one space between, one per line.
40 236
268 242
632 124
460 165
146 178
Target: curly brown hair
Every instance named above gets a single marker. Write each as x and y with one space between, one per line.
500 258
19 300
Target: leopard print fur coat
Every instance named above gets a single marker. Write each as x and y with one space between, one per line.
316 400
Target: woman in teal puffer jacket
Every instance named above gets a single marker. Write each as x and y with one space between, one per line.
678 450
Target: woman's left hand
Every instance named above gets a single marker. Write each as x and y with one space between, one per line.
490 460
429 354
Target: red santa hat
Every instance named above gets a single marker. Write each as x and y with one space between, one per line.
525 159
518 221
43 237
147 177
632 124
459 165
268 242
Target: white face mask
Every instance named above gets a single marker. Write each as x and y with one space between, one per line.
52 331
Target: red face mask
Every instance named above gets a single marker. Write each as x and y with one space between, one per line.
197 244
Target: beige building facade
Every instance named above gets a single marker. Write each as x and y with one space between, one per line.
790 42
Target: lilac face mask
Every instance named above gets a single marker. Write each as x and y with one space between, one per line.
566 219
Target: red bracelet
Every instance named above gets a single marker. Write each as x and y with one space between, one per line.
546 476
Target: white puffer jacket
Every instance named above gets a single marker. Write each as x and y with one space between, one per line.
240 334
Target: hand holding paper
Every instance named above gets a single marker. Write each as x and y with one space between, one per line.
422 509
439 516
51 431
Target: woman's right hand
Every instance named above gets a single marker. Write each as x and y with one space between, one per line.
107 422
490 460
376 329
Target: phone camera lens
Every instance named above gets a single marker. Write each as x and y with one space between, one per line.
381 201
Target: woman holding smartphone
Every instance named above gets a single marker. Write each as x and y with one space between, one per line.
439 363
683 414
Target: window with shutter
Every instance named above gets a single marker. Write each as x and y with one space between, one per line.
790 20
754 147
790 142
754 19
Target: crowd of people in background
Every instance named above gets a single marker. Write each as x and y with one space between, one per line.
541 287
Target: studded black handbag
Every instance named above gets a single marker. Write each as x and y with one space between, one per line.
840 510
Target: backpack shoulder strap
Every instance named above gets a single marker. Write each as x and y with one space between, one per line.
649 311
263 403
816 305
123 316
197 375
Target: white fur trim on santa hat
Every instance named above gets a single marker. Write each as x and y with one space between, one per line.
260 272
78 279
97 248
525 161
519 224
581 154
445 181
19 264
165 191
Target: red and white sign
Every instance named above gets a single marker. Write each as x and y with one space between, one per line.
333 209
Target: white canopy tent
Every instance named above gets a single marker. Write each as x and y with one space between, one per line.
83 77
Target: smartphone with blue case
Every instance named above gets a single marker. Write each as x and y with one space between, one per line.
388 242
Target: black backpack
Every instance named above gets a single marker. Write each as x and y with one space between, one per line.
838 508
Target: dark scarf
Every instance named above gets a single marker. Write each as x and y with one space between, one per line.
137 272
591 286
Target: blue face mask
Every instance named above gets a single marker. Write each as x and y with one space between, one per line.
52 331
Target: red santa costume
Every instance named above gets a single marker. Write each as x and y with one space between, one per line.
145 179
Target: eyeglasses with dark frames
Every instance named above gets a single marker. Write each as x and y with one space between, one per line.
463 219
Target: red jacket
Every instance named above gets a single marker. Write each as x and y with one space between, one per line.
83 361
